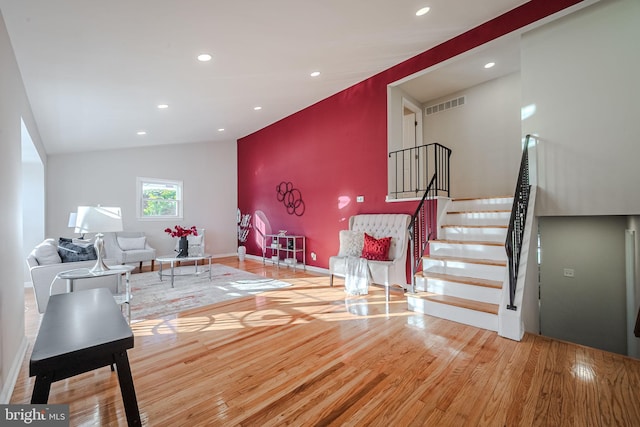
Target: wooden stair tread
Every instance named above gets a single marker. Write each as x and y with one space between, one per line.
469 260
475 281
465 199
467 242
472 226
485 307
479 211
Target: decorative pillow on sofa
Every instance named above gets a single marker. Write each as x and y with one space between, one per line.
351 243
47 253
132 243
71 252
376 249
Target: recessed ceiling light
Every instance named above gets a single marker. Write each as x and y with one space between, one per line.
489 64
204 57
423 11
257 108
315 74
221 130
141 132
162 106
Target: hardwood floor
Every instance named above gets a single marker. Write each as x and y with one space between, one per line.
310 356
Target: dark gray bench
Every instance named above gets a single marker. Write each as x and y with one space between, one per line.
82 331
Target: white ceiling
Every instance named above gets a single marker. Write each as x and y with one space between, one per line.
95 70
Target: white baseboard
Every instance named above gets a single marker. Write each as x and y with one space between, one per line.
315 269
12 375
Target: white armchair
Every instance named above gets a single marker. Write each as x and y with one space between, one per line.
196 243
127 247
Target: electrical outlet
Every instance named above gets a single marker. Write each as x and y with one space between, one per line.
569 272
313 256
360 199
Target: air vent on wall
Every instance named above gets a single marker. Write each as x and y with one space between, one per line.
446 105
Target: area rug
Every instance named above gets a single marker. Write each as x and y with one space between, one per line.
153 298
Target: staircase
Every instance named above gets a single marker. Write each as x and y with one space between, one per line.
463 275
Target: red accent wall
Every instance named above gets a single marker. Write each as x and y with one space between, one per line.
336 149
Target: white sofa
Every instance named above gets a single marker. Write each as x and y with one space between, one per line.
44 266
386 273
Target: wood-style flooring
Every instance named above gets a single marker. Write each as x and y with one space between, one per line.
309 355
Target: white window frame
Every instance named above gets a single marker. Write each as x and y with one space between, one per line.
141 181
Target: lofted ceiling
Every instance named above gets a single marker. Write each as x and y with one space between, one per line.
95 71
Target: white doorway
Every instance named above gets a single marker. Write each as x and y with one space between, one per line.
33 197
412 135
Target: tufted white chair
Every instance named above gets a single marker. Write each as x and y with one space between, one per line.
384 273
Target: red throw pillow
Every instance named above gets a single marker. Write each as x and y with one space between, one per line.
376 249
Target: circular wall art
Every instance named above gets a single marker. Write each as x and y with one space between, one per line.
291 198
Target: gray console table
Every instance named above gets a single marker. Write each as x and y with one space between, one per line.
82 331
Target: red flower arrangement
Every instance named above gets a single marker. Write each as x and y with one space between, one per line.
181 232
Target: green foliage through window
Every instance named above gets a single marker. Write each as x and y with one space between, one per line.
159 198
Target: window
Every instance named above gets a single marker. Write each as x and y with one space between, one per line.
158 199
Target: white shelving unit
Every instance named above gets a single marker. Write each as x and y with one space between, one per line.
284 249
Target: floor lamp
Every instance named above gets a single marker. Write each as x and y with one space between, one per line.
98 219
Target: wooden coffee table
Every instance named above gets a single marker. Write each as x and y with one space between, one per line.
172 259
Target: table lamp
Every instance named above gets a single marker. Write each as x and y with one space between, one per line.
98 219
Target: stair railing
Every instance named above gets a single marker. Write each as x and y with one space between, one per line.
515 233
424 222
412 167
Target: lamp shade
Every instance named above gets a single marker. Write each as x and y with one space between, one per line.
98 219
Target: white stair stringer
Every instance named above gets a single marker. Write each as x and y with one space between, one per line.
463 276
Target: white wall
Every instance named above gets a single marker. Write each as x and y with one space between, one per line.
484 136
13 106
108 178
581 72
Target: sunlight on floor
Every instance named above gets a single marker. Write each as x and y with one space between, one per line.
295 310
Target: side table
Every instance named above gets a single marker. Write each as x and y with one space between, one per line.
117 270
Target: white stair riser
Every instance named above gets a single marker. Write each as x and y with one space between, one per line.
478 218
461 315
466 269
473 234
460 290
504 203
468 251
